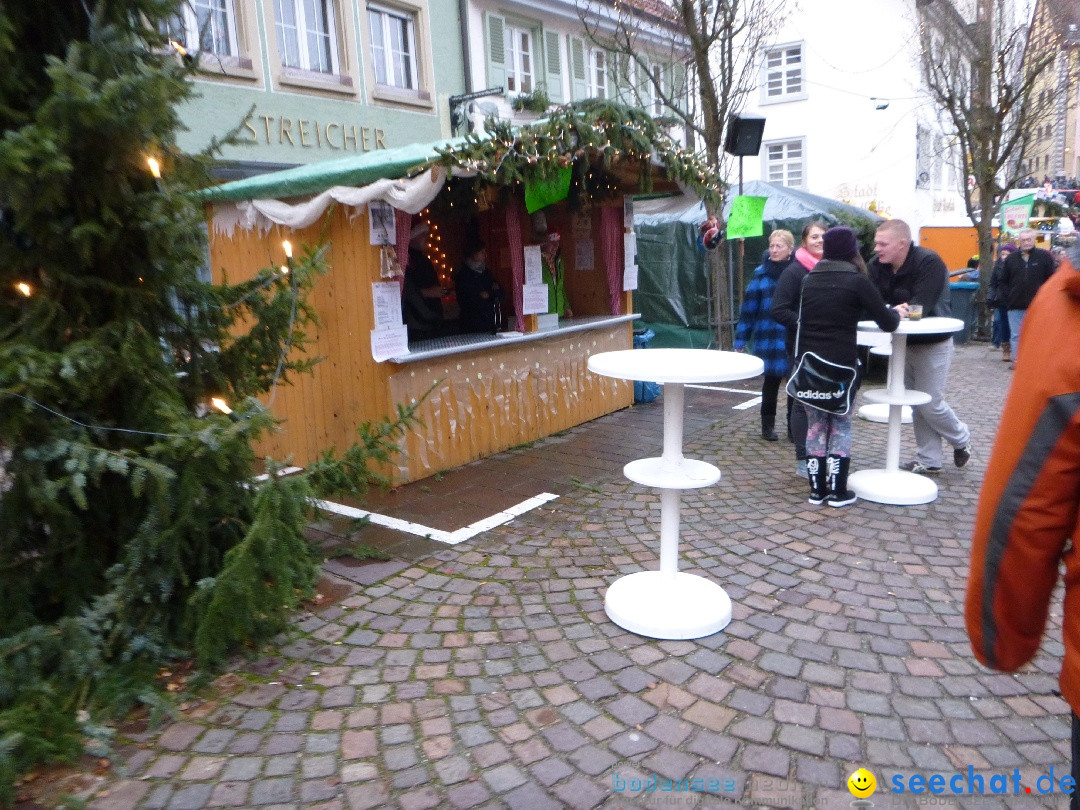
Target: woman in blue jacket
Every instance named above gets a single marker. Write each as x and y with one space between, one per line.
756 326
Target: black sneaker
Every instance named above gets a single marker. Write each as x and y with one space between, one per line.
960 455
919 468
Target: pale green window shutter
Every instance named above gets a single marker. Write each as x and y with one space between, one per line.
624 83
644 87
677 72
495 31
553 67
611 59
579 78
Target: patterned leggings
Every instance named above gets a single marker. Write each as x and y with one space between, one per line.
827 433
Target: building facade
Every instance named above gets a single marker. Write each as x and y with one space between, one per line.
847 116
1055 149
561 51
308 80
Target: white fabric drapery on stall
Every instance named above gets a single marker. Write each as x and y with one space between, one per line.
410 195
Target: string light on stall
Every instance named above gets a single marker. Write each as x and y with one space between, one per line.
24 288
155 167
286 245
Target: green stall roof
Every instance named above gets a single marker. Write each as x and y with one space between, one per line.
313 178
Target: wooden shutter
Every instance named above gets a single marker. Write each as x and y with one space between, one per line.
495 31
579 76
553 76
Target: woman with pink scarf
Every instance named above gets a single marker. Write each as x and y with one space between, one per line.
785 310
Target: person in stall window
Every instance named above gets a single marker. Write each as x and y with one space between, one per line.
421 293
478 293
554 276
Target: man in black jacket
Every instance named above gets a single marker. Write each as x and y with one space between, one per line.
1022 273
907 274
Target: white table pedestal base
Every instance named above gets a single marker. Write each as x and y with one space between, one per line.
665 605
879 412
895 487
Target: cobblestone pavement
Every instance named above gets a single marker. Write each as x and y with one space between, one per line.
488 675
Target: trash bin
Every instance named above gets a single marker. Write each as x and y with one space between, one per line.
644 391
962 294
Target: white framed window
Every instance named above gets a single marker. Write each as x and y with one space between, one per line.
206 26
520 64
307 35
783 74
393 47
785 163
598 73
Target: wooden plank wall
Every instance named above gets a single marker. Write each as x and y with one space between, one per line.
486 401
321 410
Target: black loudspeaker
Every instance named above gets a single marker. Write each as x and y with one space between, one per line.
744 135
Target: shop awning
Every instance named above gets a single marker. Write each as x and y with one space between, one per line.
313 178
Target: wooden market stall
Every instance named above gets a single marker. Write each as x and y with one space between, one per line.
485 392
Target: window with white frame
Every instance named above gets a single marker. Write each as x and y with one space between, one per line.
393 47
208 26
520 67
785 163
784 80
307 34
598 73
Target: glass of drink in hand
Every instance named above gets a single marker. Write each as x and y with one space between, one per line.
915 311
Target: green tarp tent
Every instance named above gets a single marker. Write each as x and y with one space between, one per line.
673 294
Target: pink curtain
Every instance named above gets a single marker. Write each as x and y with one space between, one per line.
517 257
403 222
611 248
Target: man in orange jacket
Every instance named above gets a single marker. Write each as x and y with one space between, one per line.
1028 520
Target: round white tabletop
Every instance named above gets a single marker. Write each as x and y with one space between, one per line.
676 365
923 326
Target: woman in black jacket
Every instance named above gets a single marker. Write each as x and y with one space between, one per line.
835 296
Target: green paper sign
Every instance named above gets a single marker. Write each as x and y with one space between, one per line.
1016 212
745 218
542 193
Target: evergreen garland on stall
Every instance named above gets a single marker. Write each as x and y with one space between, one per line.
595 133
133 527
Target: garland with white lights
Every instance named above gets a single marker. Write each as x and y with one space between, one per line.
596 134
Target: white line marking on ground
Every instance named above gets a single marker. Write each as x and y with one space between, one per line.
742 406
450 538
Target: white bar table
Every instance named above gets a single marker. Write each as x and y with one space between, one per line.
893 485
880 343
668 603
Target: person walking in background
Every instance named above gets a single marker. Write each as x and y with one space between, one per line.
907 274
1021 276
757 326
835 296
1026 524
785 311
999 336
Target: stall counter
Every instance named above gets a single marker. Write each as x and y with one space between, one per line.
492 393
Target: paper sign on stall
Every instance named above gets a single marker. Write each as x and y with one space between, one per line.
387 298
745 219
630 269
628 212
534 299
381 222
583 254
387 343
534 269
